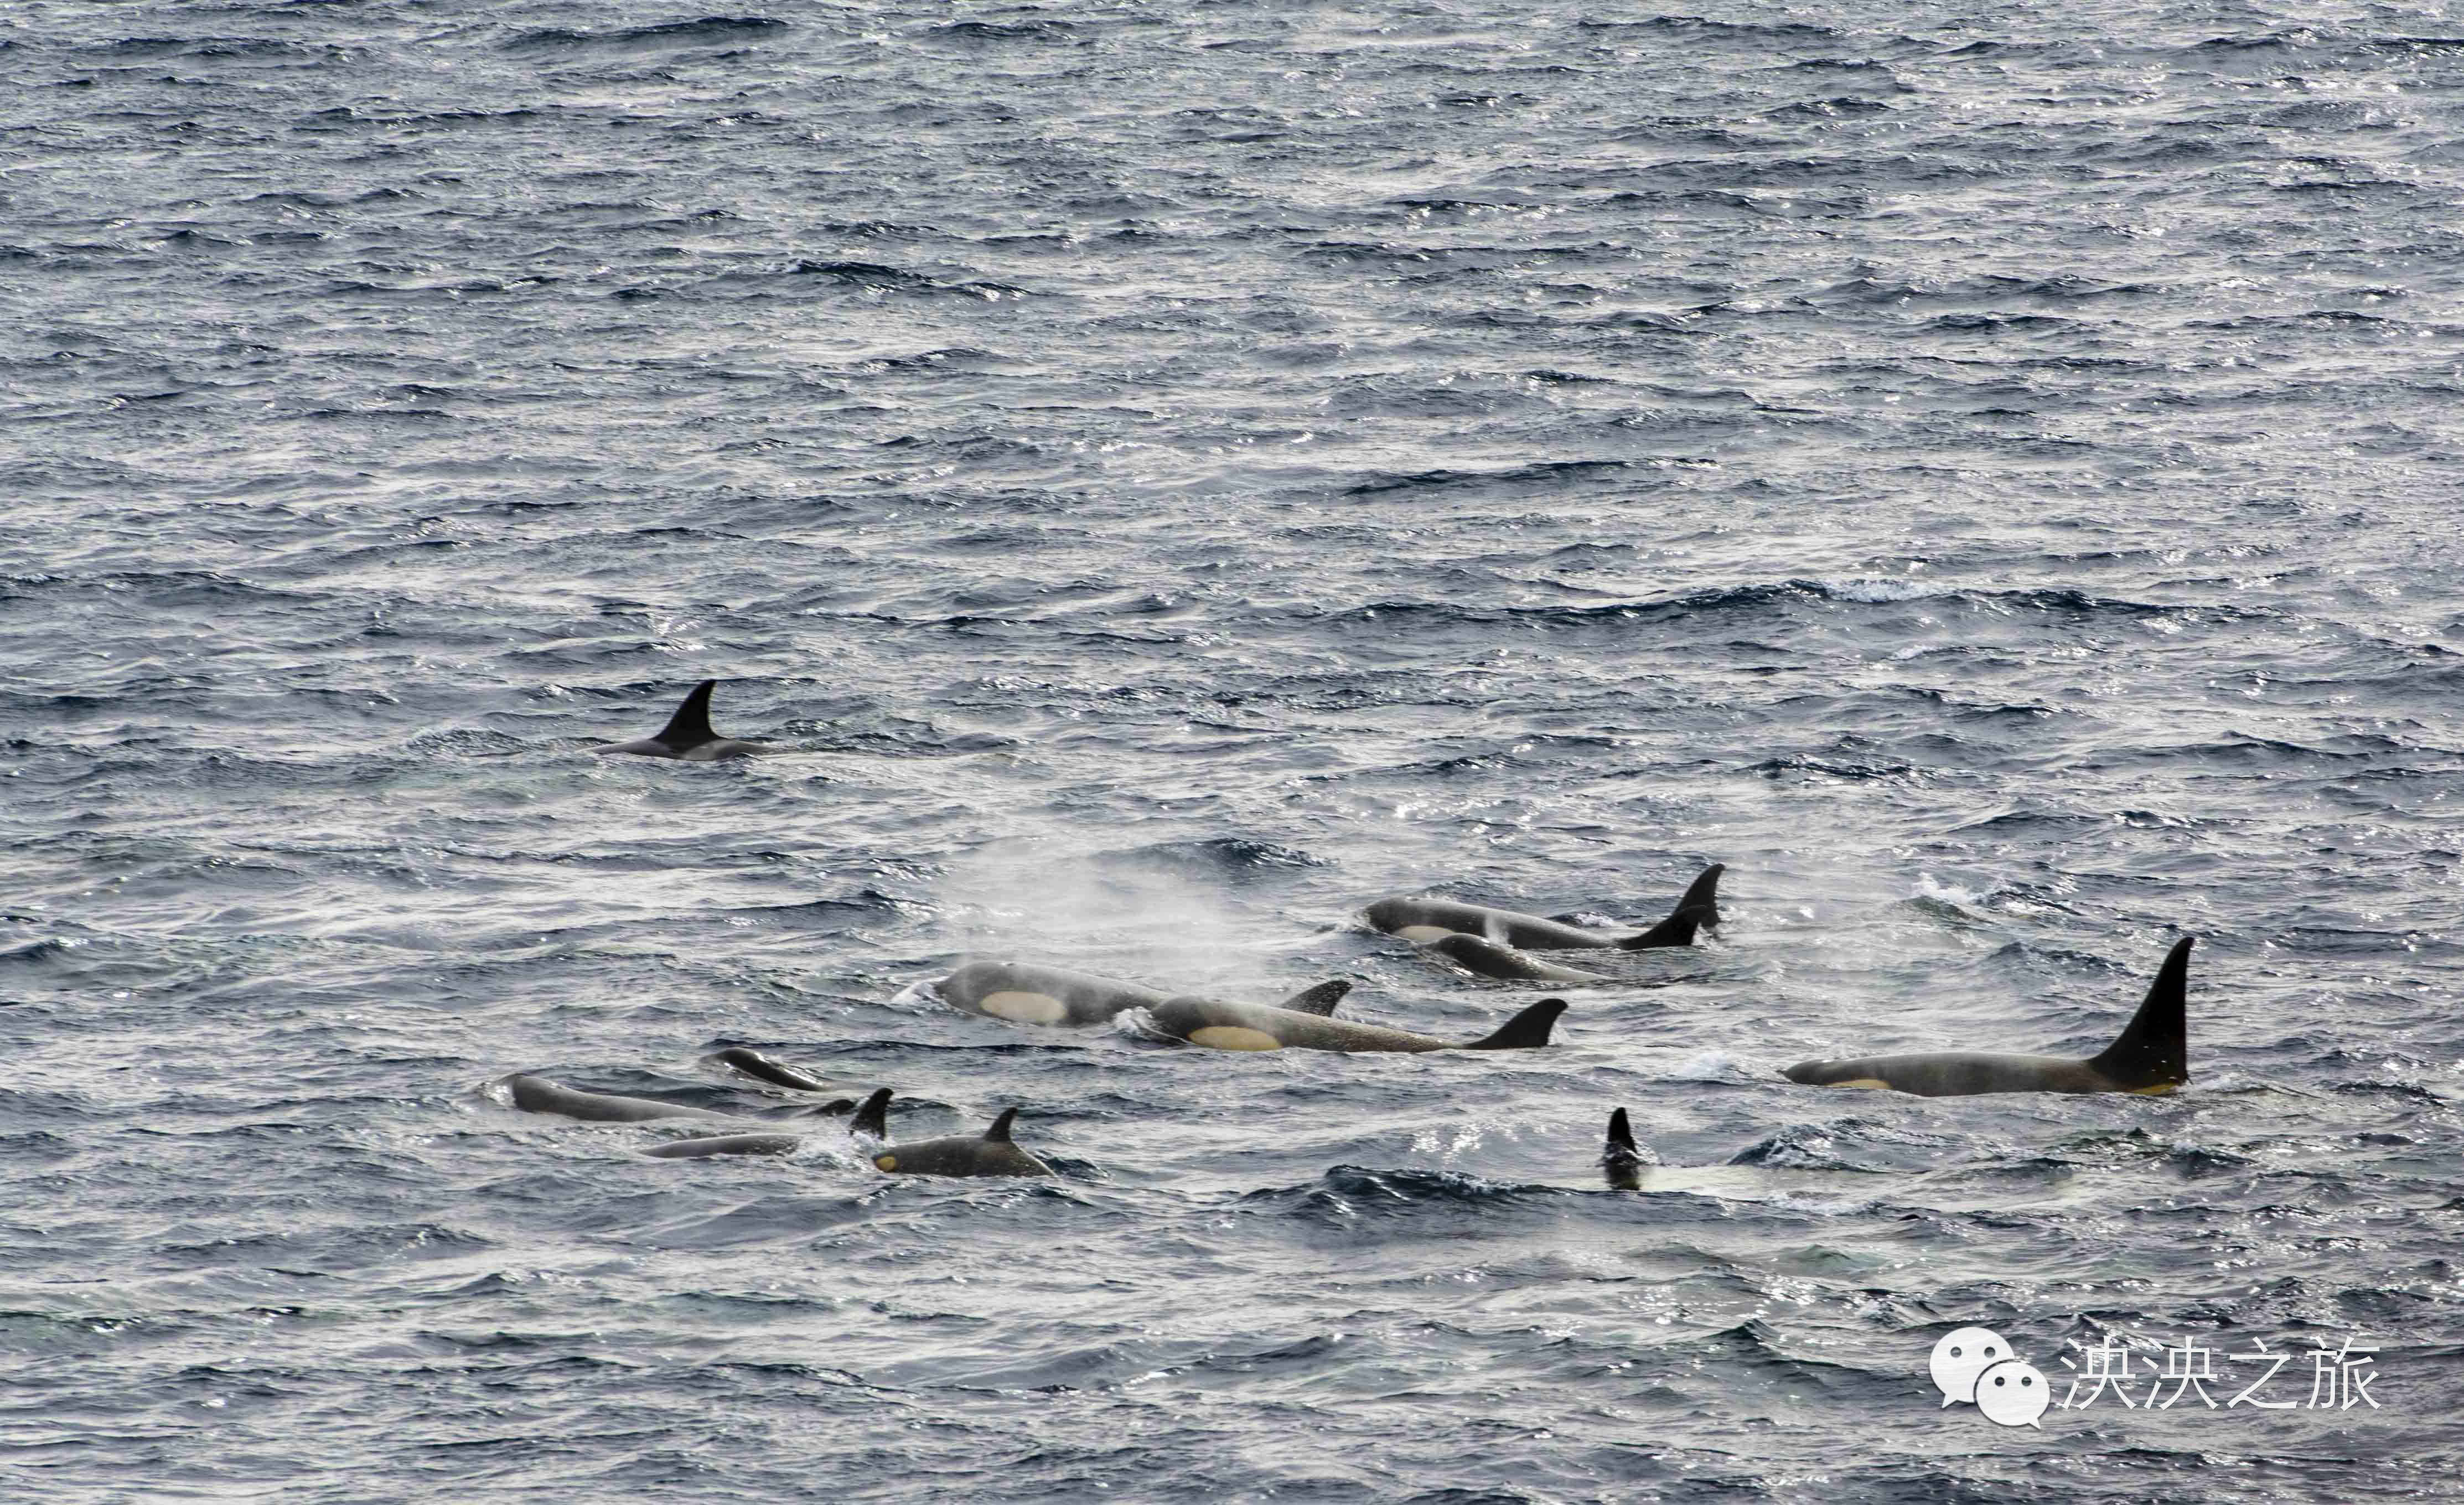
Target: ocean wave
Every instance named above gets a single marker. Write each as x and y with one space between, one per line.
709 28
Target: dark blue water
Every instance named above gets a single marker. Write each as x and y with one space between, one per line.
1175 473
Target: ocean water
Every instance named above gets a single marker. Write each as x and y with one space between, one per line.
1173 473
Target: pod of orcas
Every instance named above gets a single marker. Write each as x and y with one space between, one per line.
991 1153
2150 1056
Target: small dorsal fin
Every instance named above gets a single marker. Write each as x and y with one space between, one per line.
1527 1030
1619 1158
2154 1048
1621 1145
874 1117
1318 999
755 1064
998 1133
1699 908
689 726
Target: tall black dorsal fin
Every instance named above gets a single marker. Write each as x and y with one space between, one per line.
874 1117
1699 907
689 726
2154 1048
1528 1030
1319 999
998 1133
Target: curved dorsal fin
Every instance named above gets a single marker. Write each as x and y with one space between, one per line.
1527 1030
998 1133
1317 999
2154 1048
1699 907
689 726
874 1117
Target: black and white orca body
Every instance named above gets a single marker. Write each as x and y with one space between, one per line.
1257 1026
1428 919
1025 993
2152 1056
991 1153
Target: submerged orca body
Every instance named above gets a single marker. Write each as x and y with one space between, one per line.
687 735
1256 1026
990 1153
1489 958
1426 920
779 1074
539 1095
727 1144
2152 1056
1023 993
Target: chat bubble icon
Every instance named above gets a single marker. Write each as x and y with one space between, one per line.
2012 1393
1961 1356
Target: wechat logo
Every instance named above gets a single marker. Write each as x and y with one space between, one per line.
1976 1365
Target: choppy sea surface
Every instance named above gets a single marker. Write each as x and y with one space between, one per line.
1174 473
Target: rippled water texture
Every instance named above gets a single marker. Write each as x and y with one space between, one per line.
1174 474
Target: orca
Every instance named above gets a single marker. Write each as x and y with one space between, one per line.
778 1073
1256 1026
1624 1163
2150 1056
1488 959
990 1153
1619 1160
1023 993
1424 919
539 1095
726 1145
687 735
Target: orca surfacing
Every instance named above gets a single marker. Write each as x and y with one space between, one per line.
1427 920
687 735
2150 1056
